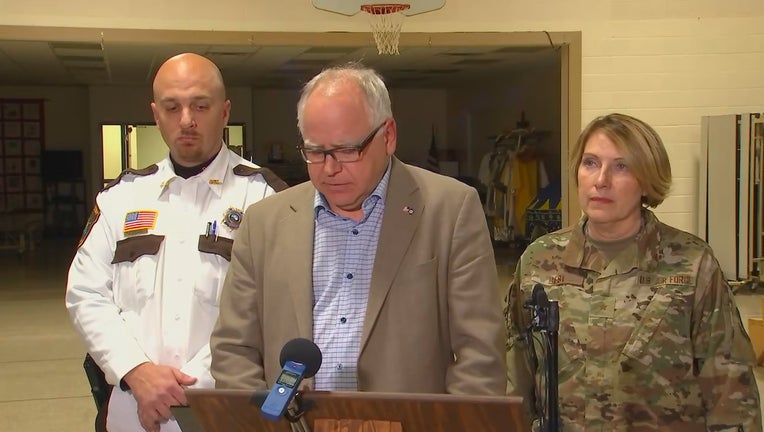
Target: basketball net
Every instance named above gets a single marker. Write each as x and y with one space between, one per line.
386 21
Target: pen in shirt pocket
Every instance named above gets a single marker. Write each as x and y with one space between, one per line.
209 229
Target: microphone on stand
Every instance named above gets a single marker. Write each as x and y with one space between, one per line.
300 358
540 302
539 296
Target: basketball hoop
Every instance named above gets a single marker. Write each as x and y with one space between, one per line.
386 20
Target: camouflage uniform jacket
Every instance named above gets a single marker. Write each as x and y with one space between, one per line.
650 341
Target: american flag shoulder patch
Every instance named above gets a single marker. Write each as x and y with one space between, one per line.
140 220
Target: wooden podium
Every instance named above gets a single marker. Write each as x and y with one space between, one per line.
239 411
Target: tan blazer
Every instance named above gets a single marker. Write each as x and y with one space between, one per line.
433 319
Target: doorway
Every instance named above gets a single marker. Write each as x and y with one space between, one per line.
138 145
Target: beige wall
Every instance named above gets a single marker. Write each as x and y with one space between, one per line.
275 121
416 111
131 105
66 121
75 115
668 62
494 106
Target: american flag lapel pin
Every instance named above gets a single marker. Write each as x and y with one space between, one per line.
408 210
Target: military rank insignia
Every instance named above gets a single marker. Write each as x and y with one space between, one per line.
232 217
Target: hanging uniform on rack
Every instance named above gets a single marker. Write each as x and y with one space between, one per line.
513 175
528 176
497 194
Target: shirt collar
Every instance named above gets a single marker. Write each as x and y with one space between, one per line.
379 193
647 250
212 176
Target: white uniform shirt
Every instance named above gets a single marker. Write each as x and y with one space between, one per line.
153 295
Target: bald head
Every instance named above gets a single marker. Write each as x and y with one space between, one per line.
190 108
189 67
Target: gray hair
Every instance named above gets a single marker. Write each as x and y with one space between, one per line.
369 81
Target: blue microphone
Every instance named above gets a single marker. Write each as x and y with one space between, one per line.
300 358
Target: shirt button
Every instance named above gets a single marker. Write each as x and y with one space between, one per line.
177 317
339 366
355 231
343 320
349 276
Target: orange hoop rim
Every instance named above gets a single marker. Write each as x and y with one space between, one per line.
384 8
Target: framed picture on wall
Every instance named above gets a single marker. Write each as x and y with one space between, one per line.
11 110
11 129
14 201
13 184
12 147
31 147
31 111
21 149
33 183
13 165
31 130
32 165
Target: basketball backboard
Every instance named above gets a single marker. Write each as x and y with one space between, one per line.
352 7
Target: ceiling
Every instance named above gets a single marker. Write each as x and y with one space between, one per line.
42 62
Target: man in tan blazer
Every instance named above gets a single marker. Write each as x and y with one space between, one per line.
387 267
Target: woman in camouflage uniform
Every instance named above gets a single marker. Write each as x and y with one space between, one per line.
650 337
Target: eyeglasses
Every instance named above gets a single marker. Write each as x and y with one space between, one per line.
314 155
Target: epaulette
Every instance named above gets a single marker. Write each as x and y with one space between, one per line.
271 178
151 169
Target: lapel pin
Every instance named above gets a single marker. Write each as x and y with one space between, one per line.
408 210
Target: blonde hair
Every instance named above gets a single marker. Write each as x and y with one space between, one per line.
642 149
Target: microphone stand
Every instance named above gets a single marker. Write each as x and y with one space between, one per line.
546 320
300 407
552 383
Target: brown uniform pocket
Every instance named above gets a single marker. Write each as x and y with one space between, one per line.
216 245
132 248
